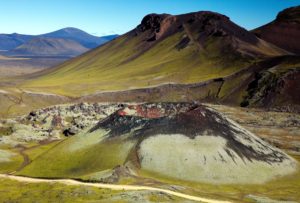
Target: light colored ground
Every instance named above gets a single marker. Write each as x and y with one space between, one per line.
5 155
16 71
204 159
10 58
281 129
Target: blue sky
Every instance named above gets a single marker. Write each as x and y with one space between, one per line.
103 17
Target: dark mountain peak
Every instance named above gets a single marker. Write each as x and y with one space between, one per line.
202 24
204 16
155 21
289 14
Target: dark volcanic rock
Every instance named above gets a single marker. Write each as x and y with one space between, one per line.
69 132
151 21
272 89
32 113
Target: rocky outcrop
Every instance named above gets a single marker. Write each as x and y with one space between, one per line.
151 22
274 89
53 122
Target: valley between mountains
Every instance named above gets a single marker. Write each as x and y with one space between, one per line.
182 108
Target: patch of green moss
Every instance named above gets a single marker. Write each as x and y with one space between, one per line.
12 165
72 158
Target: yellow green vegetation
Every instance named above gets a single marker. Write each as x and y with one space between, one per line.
115 67
231 85
16 101
10 160
89 156
79 156
14 191
38 150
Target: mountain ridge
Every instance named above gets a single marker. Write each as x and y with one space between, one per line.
75 34
12 41
284 31
42 46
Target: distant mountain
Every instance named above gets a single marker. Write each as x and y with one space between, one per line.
11 41
284 31
85 39
40 46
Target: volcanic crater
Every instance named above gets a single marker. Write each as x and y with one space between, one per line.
213 148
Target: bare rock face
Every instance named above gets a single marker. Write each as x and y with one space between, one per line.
70 132
195 143
151 22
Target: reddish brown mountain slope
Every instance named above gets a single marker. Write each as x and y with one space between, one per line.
284 31
206 30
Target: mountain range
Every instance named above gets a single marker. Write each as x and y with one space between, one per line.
42 46
11 41
71 41
85 39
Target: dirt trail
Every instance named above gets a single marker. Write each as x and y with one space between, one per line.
26 159
110 186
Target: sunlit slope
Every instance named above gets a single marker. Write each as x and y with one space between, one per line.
162 49
71 157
